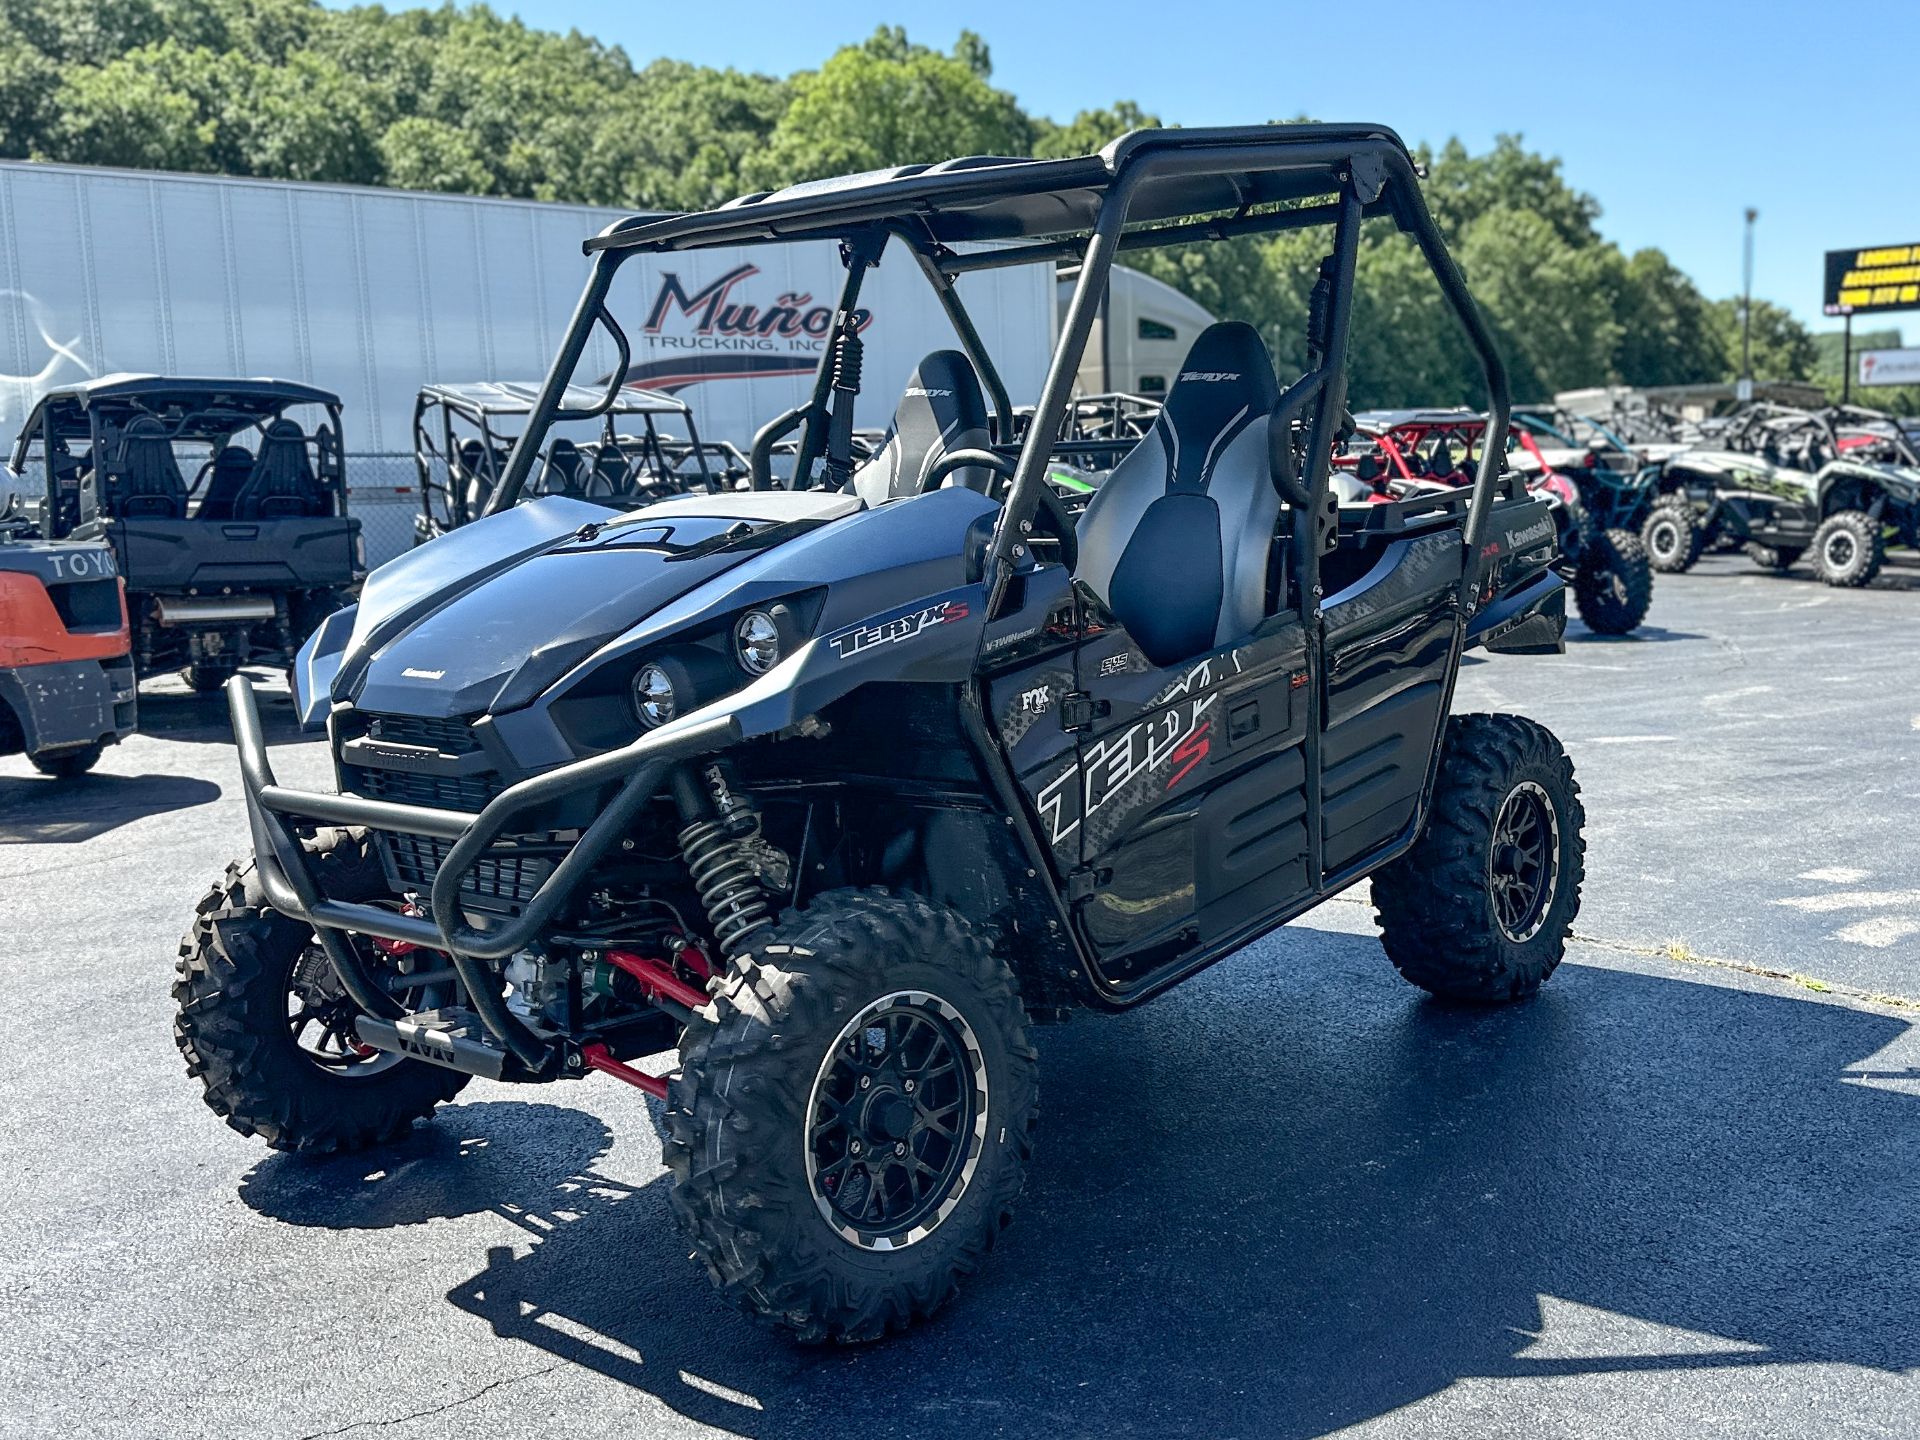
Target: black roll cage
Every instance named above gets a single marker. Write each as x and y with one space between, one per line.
1260 176
107 417
438 453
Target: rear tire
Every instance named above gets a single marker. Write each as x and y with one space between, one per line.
806 1171
1673 538
1848 549
1614 585
1777 558
239 964
203 678
1481 907
69 764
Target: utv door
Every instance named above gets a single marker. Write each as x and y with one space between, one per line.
1389 641
1188 795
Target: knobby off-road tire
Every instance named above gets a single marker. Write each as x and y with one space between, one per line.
768 1111
204 679
1673 538
1777 558
236 968
1614 585
1848 549
68 764
1451 917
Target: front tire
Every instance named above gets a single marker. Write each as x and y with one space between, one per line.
243 969
1673 538
1614 585
1848 549
68 764
1480 908
853 1116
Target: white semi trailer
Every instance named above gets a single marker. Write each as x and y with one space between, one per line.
373 293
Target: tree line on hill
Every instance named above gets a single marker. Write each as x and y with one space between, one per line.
465 100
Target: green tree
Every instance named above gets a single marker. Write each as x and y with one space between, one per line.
1667 336
152 108
423 154
1783 348
889 103
1461 187
1090 131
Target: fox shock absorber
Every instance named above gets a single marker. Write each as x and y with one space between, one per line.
717 843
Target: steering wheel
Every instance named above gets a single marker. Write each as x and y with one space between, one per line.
1049 505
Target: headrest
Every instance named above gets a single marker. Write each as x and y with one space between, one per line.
1227 378
942 390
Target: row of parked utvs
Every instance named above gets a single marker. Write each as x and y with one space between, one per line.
838 765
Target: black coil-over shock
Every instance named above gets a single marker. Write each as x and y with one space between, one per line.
718 844
849 353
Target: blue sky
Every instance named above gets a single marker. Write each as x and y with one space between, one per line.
1676 116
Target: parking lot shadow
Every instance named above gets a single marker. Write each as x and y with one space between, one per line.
176 713
1293 1196
66 812
1645 635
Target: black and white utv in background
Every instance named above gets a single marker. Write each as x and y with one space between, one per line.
463 434
840 787
1784 483
225 502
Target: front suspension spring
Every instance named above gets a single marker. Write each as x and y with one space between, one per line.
724 874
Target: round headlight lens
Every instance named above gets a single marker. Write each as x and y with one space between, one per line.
756 639
654 700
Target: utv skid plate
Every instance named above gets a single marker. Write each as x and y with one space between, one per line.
488 1040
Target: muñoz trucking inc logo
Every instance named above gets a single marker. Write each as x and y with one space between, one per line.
724 335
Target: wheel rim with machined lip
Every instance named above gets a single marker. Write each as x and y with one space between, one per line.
1523 861
1841 549
896 1120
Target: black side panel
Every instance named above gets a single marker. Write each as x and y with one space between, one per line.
1252 846
1191 796
1384 693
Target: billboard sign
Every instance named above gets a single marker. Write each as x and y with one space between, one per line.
1865 282
1888 367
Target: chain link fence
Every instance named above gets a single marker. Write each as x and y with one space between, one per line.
383 493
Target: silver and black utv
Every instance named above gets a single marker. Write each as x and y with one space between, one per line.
835 788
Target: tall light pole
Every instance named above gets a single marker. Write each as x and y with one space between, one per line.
1745 389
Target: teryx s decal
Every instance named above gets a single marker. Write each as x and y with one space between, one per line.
861 638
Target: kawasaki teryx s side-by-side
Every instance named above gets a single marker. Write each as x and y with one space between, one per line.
66 674
1396 454
463 435
840 786
225 502
1785 483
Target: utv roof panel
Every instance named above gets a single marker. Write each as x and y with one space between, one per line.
987 197
517 397
259 389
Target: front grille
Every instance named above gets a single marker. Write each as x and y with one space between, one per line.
451 736
444 792
502 881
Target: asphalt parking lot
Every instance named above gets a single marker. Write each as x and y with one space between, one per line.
1673 1196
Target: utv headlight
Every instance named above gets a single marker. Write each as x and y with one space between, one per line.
655 699
760 639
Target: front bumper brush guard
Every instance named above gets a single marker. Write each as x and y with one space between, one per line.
287 876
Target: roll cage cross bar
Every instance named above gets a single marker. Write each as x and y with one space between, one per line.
1259 176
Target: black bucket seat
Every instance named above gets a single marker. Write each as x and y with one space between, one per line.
282 483
942 410
145 477
226 479
1176 541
